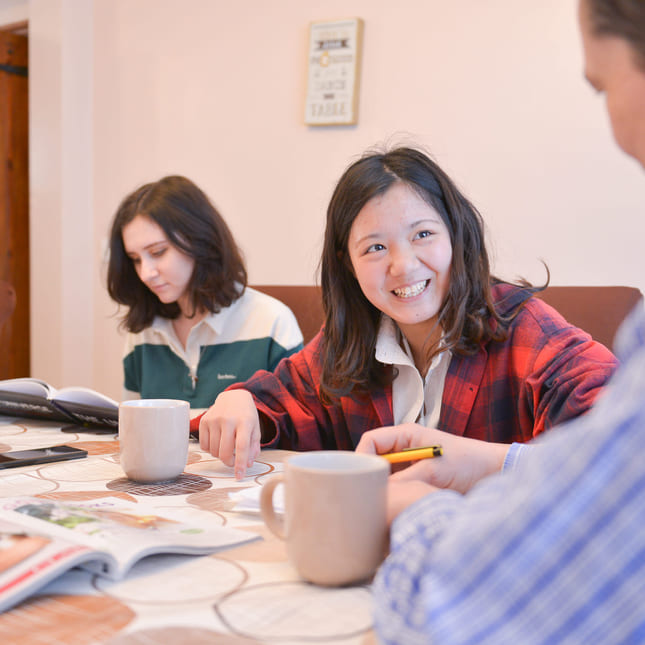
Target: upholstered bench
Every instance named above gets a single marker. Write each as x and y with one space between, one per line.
597 310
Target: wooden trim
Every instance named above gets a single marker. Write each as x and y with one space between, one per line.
21 27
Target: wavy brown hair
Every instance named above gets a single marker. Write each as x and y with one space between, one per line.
193 225
468 316
622 18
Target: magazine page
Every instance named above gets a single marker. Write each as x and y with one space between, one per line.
30 559
126 530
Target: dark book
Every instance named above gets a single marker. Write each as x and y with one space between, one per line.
33 398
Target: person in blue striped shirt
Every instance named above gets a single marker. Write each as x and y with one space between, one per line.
552 549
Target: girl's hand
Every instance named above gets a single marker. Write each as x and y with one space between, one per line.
230 430
463 463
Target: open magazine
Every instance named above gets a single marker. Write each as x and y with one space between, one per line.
31 397
40 539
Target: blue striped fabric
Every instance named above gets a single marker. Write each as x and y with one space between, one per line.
552 550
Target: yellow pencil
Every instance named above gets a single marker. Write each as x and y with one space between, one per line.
412 454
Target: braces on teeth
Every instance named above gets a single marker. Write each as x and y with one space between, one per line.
415 290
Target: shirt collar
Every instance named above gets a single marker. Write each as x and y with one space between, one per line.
219 321
388 344
216 322
392 348
162 325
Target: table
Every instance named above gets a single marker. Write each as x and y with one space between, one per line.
243 595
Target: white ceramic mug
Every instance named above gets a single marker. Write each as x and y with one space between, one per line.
335 522
153 438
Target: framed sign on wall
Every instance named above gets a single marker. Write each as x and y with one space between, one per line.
333 77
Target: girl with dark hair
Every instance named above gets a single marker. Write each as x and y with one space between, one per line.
194 327
417 333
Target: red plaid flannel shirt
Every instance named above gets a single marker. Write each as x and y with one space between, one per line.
545 372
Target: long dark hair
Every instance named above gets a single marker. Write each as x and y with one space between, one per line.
196 228
468 316
622 18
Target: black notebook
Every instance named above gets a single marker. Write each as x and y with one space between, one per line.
33 398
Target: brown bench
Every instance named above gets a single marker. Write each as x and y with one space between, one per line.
304 301
597 310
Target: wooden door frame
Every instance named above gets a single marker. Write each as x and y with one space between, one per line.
14 199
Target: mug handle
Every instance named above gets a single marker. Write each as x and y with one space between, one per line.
271 519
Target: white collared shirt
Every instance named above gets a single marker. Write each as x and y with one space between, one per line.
414 399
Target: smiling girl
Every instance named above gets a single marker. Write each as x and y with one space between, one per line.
417 333
194 327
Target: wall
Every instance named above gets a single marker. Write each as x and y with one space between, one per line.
64 265
215 90
13 11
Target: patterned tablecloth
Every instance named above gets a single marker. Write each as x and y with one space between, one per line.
243 595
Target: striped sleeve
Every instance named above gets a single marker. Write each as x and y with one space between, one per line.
551 551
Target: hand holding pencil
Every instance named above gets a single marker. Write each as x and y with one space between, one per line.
434 457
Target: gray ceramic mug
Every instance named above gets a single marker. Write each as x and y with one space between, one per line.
335 524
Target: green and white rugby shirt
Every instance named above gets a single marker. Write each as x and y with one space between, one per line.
254 333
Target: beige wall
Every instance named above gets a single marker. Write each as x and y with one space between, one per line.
125 91
13 11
